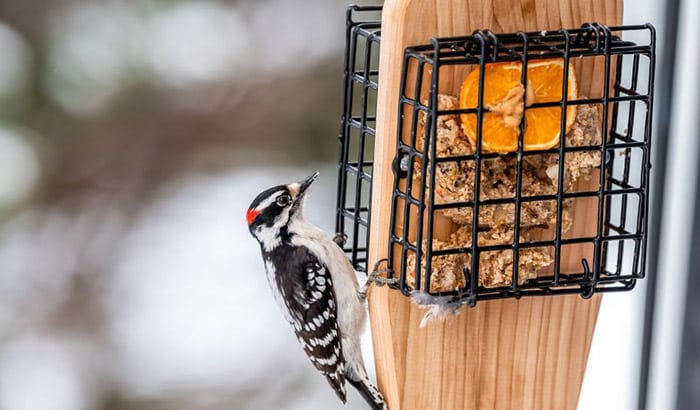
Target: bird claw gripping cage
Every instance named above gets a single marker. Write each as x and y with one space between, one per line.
524 206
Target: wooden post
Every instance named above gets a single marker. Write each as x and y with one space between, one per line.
502 354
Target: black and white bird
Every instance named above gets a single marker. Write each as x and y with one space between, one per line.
315 285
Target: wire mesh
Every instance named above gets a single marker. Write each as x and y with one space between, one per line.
357 131
524 207
528 241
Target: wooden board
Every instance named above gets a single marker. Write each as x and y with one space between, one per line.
504 354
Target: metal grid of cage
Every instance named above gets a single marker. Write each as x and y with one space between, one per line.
525 244
358 131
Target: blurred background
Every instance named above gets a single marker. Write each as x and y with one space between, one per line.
133 136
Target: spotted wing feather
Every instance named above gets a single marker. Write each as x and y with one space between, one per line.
312 308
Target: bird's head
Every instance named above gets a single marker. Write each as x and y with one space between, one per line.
273 209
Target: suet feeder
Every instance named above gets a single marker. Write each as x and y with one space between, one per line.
518 209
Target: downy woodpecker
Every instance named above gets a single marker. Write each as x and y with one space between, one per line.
315 285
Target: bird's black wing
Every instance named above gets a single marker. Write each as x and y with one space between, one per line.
308 290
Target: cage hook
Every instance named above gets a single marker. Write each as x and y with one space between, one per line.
587 291
467 275
586 268
488 43
468 297
494 44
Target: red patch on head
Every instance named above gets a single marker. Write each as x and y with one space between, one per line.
251 215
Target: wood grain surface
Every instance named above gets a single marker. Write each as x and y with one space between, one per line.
503 354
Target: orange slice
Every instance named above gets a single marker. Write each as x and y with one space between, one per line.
505 105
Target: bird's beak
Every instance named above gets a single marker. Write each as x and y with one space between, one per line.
303 185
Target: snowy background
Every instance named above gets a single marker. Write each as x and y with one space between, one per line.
133 136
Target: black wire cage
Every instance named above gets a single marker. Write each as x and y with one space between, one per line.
567 216
358 130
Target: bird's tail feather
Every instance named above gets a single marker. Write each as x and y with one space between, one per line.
369 392
338 385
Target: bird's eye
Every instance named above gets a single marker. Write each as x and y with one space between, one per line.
283 200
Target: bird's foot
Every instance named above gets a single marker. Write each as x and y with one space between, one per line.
340 238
